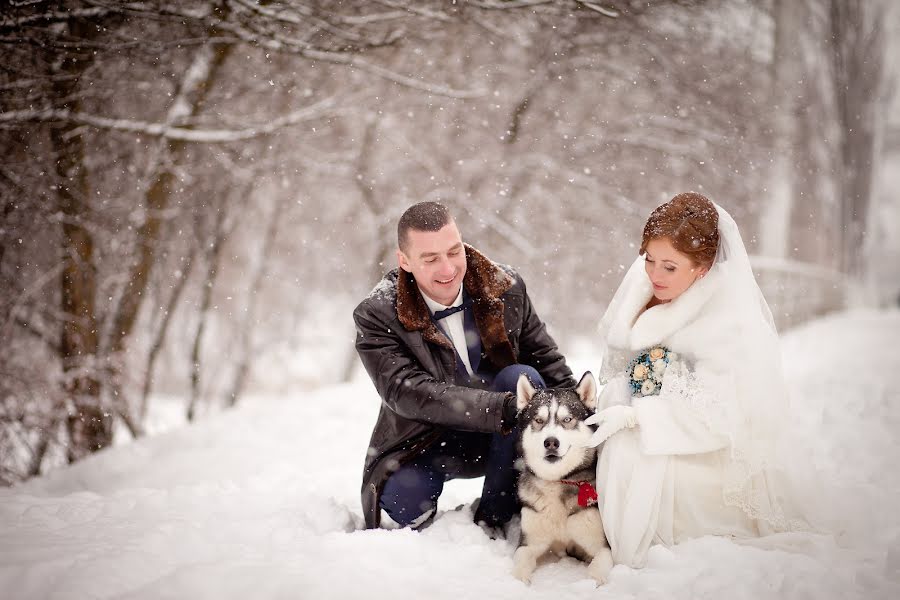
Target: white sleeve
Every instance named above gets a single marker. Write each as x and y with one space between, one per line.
689 416
616 391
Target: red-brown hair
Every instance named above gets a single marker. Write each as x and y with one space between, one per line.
690 222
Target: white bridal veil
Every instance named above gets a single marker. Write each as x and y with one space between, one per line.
755 479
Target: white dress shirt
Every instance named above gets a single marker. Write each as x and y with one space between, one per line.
453 326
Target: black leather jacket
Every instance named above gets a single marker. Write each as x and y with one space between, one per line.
413 365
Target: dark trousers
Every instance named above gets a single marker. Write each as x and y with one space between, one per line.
410 494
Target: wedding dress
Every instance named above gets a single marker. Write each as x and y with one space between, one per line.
706 456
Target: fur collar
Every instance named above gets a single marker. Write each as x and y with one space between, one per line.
485 283
633 330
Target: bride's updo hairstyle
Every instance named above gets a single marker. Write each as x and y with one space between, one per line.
690 222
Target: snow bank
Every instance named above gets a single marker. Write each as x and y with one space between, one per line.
263 502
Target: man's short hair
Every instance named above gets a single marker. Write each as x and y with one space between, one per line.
424 216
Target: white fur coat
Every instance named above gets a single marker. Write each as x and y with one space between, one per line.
667 479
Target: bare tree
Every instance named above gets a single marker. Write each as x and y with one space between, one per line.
786 75
89 423
857 35
245 339
222 222
159 337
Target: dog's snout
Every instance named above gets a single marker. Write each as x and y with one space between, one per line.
551 443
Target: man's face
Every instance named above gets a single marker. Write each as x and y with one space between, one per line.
437 261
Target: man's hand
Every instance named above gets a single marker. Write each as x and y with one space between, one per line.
510 414
610 420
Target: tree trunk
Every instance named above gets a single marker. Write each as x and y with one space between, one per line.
160 337
245 343
858 57
213 257
89 424
194 88
90 427
364 181
775 214
40 450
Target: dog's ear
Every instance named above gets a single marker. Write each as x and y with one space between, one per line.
587 390
524 391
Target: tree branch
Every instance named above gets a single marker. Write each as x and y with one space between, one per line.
304 49
599 9
49 18
318 110
506 5
306 16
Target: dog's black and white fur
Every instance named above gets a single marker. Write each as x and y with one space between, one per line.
552 439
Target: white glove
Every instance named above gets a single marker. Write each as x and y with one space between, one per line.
610 420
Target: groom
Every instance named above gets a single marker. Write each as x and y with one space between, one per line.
444 339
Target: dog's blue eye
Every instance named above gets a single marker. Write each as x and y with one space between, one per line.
567 420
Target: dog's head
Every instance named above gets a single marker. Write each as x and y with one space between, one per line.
552 431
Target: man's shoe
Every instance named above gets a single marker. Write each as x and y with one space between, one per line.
423 520
494 533
511 531
490 515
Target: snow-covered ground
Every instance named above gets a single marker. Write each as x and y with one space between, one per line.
262 502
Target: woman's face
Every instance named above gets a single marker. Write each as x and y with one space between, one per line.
671 272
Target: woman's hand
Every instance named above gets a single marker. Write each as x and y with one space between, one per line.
610 420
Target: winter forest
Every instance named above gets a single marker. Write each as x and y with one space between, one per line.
194 195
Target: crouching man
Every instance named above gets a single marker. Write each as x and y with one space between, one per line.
444 339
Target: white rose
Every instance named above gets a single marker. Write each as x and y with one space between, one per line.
659 367
640 372
648 388
657 353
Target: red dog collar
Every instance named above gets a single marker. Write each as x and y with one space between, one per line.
587 495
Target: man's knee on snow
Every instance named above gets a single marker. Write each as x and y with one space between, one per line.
410 497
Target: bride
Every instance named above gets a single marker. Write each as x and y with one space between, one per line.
692 412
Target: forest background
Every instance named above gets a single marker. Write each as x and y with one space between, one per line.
194 195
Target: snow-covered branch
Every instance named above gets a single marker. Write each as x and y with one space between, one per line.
510 4
318 110
303 15
283 29
50 17
598 9
281 43
513 4
406 8
416 84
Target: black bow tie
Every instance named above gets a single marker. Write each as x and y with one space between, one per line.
442 314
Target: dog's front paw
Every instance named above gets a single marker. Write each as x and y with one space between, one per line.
522 576
522 570
523 565
600 566
600 578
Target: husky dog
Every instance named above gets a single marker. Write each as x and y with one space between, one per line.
559 512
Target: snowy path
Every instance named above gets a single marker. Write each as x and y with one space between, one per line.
263 503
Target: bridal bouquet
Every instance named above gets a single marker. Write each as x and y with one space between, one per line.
646 370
